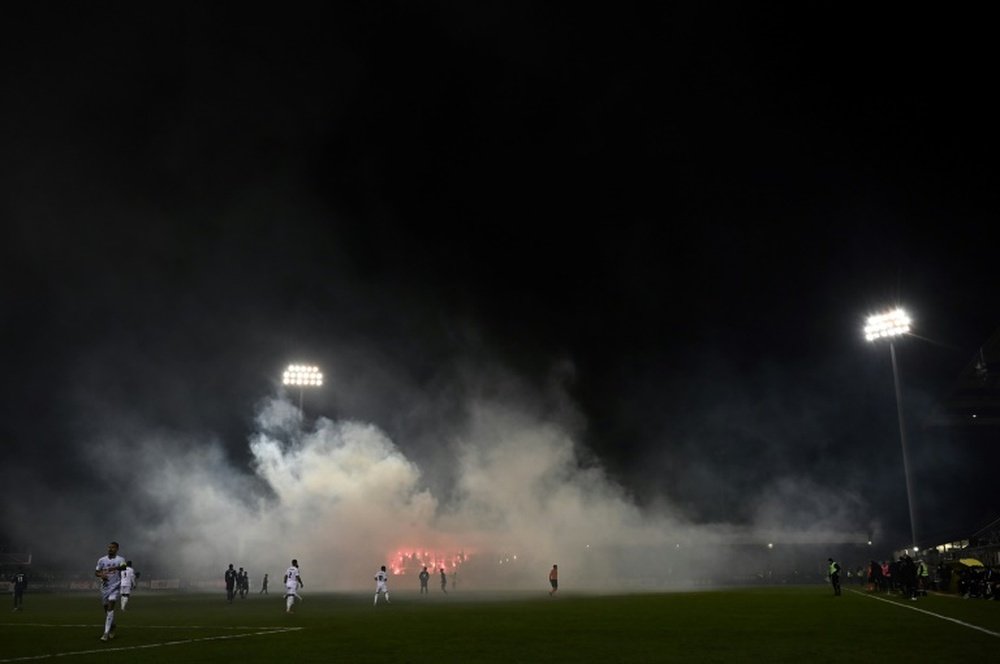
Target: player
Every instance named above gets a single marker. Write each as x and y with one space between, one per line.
293 581
20 581
424 576
263 586
554 579
230 583
128 583
109 570
444 582
381 585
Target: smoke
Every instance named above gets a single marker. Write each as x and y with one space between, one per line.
343 498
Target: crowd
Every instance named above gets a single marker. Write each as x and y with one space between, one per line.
913 578
979 582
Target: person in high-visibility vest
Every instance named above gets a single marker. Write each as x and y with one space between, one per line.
835 576
923 577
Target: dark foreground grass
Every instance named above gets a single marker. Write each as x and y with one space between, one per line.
768 624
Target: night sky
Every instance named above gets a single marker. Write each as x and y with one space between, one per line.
659 228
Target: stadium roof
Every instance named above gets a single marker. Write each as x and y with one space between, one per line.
974 401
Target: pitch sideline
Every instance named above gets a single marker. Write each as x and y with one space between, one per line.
930 613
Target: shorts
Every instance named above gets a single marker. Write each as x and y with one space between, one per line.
554 583
381 588
110 594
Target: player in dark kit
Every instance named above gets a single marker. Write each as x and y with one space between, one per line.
230 583
20 581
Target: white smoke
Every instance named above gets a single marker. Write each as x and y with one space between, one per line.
342 498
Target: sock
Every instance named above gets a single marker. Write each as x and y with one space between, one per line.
124 602
289 600
376 599
109 620
386 596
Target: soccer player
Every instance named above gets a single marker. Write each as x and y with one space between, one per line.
20 581
128 583
263 586
444 582
424 576
230 583
109 570
241 583
554 579
293 581
381 581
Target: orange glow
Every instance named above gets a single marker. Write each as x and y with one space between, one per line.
409 561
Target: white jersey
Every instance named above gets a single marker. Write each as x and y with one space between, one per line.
112 567
128 580
292 578
112 582
380 580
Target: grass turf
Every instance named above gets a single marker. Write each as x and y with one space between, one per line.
789 624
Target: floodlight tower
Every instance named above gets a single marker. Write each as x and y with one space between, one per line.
890 325
302 376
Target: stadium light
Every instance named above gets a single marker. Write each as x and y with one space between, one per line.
891 324
302 376
888 326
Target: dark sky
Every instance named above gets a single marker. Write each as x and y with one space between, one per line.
675 218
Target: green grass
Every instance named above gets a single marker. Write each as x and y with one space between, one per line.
772 624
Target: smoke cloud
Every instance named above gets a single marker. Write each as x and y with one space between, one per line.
343 498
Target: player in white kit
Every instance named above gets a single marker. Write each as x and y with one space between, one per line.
381 585
109 569
293 581
128 583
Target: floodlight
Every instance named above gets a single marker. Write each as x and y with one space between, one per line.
302 376
299 375
888 326
891 324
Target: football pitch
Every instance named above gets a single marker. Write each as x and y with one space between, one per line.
787 624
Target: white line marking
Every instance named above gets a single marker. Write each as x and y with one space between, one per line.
931 613
131 627
267 630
